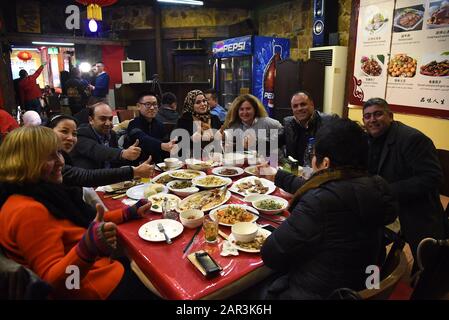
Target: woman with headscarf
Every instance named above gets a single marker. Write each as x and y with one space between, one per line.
197 119
47 226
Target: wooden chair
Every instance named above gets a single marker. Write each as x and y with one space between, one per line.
126 114
392 273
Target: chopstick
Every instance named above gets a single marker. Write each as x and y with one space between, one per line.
266 218
189 245
118 196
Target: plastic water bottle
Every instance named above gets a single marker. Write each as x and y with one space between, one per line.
308 155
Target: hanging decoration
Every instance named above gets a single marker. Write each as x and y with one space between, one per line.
94 8
24 55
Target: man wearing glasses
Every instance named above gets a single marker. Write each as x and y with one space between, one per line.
148 130
408 160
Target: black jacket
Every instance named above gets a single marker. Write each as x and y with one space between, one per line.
167 115
186 122
75 176
332 235
90 153
150 138
409 162
294 138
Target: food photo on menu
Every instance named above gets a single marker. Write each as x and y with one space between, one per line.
437 66
402 65
408 19
438 14
372 66
376 22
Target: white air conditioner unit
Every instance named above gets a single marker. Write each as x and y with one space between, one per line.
334 59
133 71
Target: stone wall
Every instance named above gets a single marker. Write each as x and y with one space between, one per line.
294 20
201 17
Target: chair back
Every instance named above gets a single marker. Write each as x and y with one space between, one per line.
397 267
126 114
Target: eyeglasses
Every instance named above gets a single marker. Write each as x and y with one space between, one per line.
375 114
200 101
149 104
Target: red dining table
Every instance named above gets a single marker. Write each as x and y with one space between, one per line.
164 270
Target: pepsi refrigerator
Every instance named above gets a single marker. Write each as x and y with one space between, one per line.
248 65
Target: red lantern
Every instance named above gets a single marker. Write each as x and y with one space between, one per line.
24 55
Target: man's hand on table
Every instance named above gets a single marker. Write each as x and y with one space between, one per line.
144 170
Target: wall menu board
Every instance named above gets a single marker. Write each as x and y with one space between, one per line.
401 54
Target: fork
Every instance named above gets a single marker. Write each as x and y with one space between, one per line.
161 229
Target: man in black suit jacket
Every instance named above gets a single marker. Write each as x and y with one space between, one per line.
97 145
302 125
408 160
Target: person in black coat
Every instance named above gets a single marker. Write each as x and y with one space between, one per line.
97 145
197 120
148 130
302 125
337 219
408 160
65 128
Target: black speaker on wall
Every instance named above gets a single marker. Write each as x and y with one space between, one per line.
325 21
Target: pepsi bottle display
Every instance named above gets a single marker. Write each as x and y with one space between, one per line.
270 76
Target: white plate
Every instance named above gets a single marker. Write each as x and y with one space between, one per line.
266 183
201 195
217 171
137 191
261 231
177 174
150 232
161 165
251 170
163 174
234 159
157 199
213 213
221 181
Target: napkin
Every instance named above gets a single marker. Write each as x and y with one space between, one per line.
129 202
228 249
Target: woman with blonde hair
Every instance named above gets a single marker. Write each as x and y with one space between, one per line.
47 227
248 114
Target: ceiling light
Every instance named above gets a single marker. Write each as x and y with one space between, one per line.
190 2
54 43
25 49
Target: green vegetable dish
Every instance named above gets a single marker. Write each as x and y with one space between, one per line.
269 204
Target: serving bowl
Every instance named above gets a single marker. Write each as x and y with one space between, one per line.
244 231
191 218
184 192
270 204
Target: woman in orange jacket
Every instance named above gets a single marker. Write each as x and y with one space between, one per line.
47 227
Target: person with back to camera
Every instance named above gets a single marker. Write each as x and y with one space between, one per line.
337 220
47 227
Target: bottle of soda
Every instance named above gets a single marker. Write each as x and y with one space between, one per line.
308 155
270 76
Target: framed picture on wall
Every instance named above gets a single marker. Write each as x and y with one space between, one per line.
28 17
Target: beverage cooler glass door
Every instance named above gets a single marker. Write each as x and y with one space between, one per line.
235 78
242 66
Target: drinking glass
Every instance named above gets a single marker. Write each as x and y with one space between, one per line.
210 228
